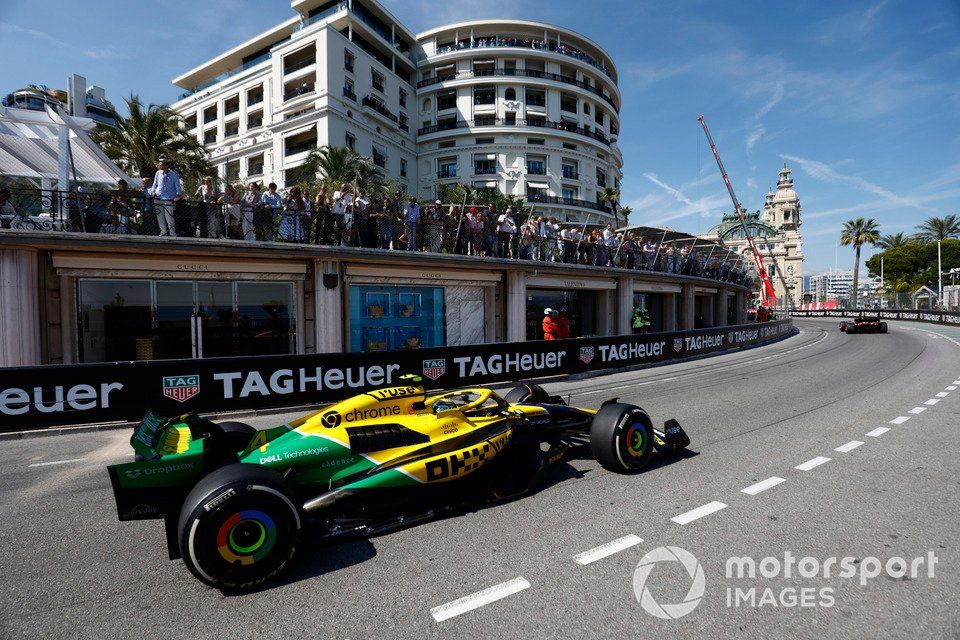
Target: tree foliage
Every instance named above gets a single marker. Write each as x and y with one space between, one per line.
939 228
914 265
149 133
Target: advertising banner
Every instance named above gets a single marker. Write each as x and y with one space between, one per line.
32 397
917 315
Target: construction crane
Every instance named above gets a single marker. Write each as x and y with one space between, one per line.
767 295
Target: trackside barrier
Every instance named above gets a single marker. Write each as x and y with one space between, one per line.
917 315
32 397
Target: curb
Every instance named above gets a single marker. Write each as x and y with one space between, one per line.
112 426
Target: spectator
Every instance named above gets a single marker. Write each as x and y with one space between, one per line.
118 211
563 325
358 230
474 232
168 191
433 229
411 218
528 235
549 324
206 222
230 201
293 219
340 207
506 229
270 204
551 231
321 217
148 213
249 210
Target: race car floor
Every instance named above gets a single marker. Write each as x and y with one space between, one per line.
819 448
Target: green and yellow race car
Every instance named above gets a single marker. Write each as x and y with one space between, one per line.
237 502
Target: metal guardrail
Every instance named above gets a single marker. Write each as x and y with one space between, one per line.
934 316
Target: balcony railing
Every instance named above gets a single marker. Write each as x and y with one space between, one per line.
379 107
226 74
519 73
320 16
302 90
300 64
447 172
484 171
573 202
536 170
498 122
570 174
126 213
301 147
525 43
404 126
347 93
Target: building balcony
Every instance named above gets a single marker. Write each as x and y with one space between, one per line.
496 122
570 202
347 93
570 174
525 43
374 105
485 171
225 75
303 90
447 172
520 73
298 65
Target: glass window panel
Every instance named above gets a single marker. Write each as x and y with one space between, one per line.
115 320
266 318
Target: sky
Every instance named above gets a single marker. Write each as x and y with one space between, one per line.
860 99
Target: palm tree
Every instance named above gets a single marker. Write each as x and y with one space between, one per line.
625 212
338 165
149 133
858 232
936 228
611 196
894 240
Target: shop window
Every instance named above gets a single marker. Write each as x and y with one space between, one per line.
386 318
578 308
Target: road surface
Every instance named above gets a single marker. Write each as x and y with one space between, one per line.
822 446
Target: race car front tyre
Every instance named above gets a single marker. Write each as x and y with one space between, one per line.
238 434
843 327
531 393
621 437
239 527
883 327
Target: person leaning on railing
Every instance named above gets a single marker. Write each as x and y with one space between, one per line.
205 215
230 202
411 219
264 219
293 219
322 224
249 207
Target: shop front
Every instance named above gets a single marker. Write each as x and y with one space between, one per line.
403 308
159 309
584 306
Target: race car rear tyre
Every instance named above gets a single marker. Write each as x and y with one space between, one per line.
239 527
238 434
883 327
532 393
621 437
843 327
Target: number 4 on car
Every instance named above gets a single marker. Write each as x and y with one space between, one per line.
237 503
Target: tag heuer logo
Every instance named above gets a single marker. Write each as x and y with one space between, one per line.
586 354
433 369
678 345
181 388
730 337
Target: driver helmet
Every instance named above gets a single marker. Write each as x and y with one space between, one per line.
547 311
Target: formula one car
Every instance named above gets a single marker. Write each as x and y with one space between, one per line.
237 502
864 324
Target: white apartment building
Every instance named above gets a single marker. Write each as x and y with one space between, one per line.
529 108
837 285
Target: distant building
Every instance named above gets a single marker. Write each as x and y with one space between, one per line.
777 235
837 285
94 104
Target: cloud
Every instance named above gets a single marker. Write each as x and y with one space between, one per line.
854 26
825 173
96 54
663 206
754 137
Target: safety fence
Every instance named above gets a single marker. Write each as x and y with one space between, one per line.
918 315
32 397
251 218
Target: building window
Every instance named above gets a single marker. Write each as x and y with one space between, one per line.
351 141
255 165
348 59
403 167
539 141
255 120
348 91
447 168
537 165
190 122
403 98
601 177
387 317
570 169
376 79
536 121
586 108
535 190
569 193
570 146
568 103
510 94
484 95
254 96
210 114
772 270
536 98
210 136
379 157
484 141
446 100
485 164
446 144
404 123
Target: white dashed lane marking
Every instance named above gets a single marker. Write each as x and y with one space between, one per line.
763 485
931 402
899 419
917 410
812 463
879 431
49 464
943 394
479 599
699 512
957 382
608 549
951 387
850 446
